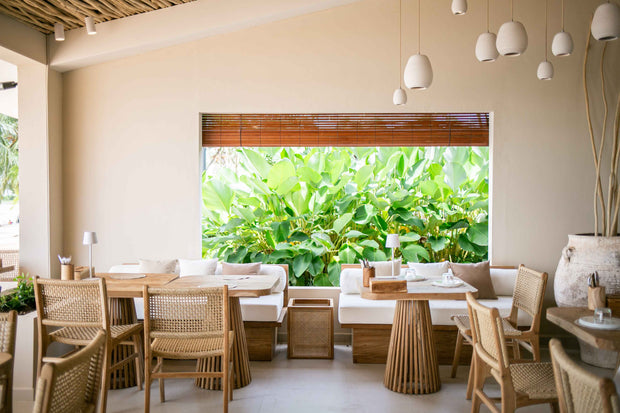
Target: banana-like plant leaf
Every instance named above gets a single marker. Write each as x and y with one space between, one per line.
281 230
369 243
413 253
354 234
409 237
478 233
364 214
301 264
348 255
280 172
460 224
438 243
342 222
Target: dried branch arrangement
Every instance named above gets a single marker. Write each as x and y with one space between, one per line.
605 224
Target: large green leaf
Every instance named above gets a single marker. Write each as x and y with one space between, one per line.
455 175
342 222
348 255
354 234
362 176
364 214
216 195
301 264
369 243
258 162
414 252
281 230
438 243
409 237
478 233
280 172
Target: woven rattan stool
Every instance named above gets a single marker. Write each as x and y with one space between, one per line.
311 328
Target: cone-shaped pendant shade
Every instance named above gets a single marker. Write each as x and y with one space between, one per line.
485 47
400 97
545 70
562 44
606 22
418 72
459 7
511 39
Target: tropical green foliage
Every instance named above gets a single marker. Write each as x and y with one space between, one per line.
8 157
316 208
20 299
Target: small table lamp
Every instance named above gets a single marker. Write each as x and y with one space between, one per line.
90 238
392 241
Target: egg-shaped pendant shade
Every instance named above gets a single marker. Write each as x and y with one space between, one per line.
459 7
562 44
606 22
418 72
400 97
545 70
486 51
511 39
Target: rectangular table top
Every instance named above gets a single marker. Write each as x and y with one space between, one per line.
132 288
238 285
423 290
565 317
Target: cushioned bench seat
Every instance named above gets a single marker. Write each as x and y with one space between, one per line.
265 308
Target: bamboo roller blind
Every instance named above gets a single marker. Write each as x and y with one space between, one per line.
346 129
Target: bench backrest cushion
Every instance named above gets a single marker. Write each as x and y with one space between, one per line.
431 269
503 280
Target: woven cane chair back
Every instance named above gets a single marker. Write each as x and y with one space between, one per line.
578 389
186 313
529 292
8 327
488 335
72 384
72 303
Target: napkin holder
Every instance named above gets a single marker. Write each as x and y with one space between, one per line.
596 298
368 273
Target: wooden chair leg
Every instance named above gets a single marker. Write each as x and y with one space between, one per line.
225 385
137 348
478 384
147 385
470 379
516 350
555 407
508 399
457 353
535 343
162 391
105 381
9 390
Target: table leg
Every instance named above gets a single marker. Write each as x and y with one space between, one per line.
412 359
241 358
122 311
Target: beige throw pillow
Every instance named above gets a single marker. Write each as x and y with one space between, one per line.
478 276
240 269
158 266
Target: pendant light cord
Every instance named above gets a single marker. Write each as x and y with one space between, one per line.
419 31
562 15
400 40
512 11
488 16
546 29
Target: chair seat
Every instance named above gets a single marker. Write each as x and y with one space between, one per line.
189 348
535 380
464 326
81 336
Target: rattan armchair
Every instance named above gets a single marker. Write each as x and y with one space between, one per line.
578 389
8 327
186 323
528 297
522 384
72 384
80 309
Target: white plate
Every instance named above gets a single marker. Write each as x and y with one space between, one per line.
588 321
389 277
451 285
126 276
416 279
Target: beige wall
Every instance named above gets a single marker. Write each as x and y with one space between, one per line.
131 126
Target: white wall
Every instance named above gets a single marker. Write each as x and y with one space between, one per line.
131 126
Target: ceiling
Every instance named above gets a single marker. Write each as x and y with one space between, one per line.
42 14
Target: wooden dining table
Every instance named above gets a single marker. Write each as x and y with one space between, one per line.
122 291
411 365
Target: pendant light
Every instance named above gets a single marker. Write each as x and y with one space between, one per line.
90 25
459 7
399 97
562 44
418 72
485 45
511 37
59 32
606 22
545 68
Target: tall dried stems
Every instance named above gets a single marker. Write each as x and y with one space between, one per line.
609 208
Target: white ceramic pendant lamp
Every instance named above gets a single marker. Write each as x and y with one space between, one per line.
562 44
418 71
459 7
511 37
545 68
400 96
606 22
486 51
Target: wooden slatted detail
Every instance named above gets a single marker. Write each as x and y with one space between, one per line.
345 129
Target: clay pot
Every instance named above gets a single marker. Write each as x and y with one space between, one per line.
583 255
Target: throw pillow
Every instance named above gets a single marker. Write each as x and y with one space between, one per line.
384 268
197 267
240 269
430 269
158 266
478 276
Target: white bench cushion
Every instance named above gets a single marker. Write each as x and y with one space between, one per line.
353 309
265 308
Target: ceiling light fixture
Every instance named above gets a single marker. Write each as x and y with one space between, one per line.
400 97
545 68
90 25
606 22
418 71
511 37
459 7
59 32
562 44
486 51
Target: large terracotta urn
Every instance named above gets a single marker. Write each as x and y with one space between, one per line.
584 255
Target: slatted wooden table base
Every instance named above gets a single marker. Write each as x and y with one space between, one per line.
412 360
123 311
240 357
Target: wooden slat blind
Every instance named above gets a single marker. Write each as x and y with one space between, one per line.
346 129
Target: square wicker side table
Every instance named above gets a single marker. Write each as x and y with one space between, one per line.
311 328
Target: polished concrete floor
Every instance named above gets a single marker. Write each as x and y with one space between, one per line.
300 386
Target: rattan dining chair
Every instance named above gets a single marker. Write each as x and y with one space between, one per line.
578 389
522 384
529 292
80 309
8 327
72 384
185 324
